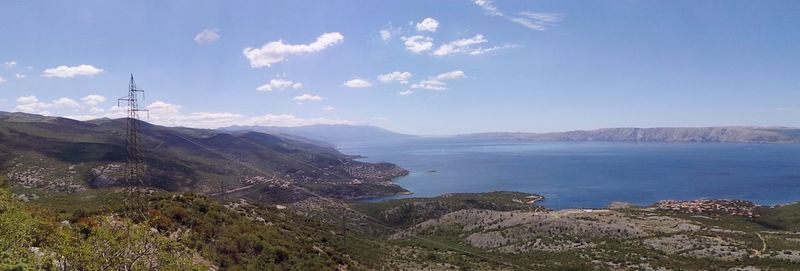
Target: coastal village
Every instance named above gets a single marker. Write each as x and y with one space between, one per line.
711 207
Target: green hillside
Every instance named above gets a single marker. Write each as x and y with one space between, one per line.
58 155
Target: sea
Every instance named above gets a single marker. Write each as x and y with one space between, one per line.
592 174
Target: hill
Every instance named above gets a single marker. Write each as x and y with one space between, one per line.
737 134
330 133
50 154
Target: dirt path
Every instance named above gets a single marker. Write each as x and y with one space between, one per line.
233 190
763 243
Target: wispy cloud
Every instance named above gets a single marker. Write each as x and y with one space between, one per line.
207 36
279 84
438 82
539 21
389 32
307 97
277 51
396 76
10 64
470 46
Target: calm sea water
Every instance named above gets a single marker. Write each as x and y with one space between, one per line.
593 174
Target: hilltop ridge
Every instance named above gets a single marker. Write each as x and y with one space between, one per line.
727 134
329 133
53 154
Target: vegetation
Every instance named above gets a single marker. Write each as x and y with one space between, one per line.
186 232
786 217
406 212
62 155
33 240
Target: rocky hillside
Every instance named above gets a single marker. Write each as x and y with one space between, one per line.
623 238
701 135
49 154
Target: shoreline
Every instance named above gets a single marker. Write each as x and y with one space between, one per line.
535 199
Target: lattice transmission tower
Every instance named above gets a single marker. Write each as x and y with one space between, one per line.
134 168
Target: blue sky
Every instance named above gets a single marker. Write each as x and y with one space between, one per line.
459 66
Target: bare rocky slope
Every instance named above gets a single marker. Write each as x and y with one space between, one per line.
735 134
526 237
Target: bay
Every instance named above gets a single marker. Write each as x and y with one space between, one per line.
593 174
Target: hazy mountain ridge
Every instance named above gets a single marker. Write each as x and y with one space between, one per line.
733 134
63 155
329 133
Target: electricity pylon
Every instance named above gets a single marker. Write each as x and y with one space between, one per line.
134 168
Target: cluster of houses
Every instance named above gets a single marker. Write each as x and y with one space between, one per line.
711 206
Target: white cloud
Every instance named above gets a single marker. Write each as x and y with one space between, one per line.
64 102
291 121
401 77
461 45
93 100
482 50
451 75
277 51
405 93
160 107
389 32
418 44
2 80
487 6
168 114
386 35
438 82
31 104
307 97
539 21
67 72
10 64
27 99
329 108
279 84
20 76
357 83
467 46
431 84
207 36
196 119
428 24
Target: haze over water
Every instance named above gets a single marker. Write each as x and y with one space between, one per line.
594 174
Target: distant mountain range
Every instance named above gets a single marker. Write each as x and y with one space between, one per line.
735 134
330 133
55 154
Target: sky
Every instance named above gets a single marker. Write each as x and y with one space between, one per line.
418 67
